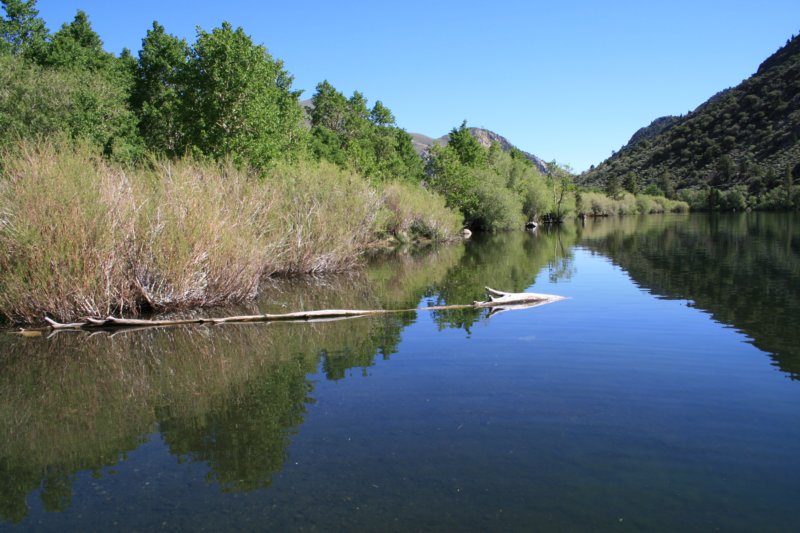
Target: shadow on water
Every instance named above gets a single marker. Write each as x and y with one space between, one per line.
228 397
743 269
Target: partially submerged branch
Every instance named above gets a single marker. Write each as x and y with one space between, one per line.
498 301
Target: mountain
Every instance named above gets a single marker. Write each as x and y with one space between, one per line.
423 142
485 137
744 135
654 129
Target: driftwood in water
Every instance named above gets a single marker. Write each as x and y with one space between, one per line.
499 301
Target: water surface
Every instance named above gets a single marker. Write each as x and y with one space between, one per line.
662 395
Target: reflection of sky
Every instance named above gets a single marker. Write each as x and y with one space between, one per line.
613 406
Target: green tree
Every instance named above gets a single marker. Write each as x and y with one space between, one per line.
725 170
713 196
358 116
329 108
448 176
612 188
469 150
329 111
77 46
239 100
380 115
345 131
156 95
396 157
40 102
22 32
667 184
788 186
561 187
631 183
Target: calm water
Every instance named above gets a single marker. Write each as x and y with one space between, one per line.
663 395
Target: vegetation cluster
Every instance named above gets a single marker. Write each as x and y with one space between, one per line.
184 175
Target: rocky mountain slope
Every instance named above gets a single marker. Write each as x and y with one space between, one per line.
654 129
744 135
485 137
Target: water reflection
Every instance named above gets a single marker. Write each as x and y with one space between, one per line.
744 269
229 397
509 262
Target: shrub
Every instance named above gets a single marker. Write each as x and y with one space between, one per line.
536 197
646 204
734 199
408 210
598 204
695 199
626 205
496 208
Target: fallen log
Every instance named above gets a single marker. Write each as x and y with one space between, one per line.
498 301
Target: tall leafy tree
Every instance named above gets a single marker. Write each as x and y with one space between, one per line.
22 32
561 186
358 117
612 186
631 183
451 178
239 100
76 45
667 184
41 101
788 187
469 150
380 115
157 90
329 108
348 133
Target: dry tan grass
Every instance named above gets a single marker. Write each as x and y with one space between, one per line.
325 217
81 237
411 211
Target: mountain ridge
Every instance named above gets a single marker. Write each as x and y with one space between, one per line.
485 137
745 135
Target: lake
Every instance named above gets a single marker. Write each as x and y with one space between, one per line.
663 394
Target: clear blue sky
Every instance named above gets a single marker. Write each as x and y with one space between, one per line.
569 81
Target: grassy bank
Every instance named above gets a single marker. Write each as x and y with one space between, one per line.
81 236
598 204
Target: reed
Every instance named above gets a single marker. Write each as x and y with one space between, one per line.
80 236
411 212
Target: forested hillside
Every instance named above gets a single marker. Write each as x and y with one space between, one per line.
739 149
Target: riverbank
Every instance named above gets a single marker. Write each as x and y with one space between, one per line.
82 236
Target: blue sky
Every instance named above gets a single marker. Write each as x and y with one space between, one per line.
569 80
